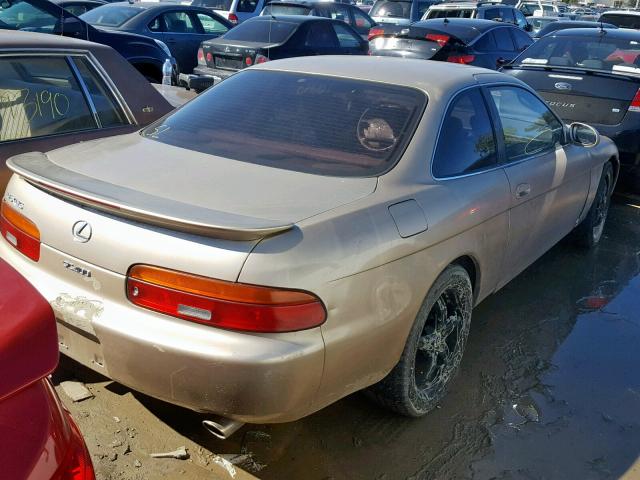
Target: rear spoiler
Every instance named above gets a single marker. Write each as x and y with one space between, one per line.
37 169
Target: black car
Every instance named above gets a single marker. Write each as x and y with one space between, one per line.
265 38
78 7
593 76
565 24
399 12
360 21
145 54
181 27
483 43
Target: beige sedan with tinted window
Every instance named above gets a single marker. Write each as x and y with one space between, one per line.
305 229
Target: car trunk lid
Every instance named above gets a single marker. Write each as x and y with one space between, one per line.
583 96
414 42
233 56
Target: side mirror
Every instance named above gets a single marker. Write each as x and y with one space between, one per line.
583 134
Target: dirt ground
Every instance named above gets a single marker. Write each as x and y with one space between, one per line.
549 388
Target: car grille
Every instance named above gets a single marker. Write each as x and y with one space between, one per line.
580 108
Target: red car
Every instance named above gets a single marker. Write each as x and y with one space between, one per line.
38 438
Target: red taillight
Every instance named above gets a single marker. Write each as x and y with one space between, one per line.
229 305
439 39
76 464
233 18
20 232
375 32
261 59
248 62
201 60
635 103
209 57
464 59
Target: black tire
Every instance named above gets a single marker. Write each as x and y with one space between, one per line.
421 377
589 232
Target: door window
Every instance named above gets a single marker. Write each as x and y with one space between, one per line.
321 35
210 25
521 20
346 38
360 19
466 143
179 22
109 113
521 39
40 96
77 10
503 40
486 43
528 126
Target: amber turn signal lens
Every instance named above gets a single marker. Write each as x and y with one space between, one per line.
20 232
223 304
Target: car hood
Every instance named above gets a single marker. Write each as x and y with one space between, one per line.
185 190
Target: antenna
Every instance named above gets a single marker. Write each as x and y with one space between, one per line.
270 23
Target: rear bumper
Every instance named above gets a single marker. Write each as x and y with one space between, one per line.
627 139
255 378
204 77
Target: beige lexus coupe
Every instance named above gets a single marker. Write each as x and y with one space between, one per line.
305 229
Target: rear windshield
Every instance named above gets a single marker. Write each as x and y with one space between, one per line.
17 15
264 31
214 4
276 9
450 13
391 8
307 123
111 16
621 20
593 53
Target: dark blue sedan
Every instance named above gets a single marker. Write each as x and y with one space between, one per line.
181 27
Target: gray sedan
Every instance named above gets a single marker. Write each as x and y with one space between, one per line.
181 27
305 229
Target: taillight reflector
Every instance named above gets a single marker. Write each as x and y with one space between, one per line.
229 305
76 464
635 103
209 57
261 59
233 18
248 61
438 38
375 32
464 59
20 232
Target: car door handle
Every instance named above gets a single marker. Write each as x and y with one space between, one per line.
523 190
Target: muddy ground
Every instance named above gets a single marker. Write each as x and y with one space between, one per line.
549 388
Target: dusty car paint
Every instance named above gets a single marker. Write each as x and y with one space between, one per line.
370 266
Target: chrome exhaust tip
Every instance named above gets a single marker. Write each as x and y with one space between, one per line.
221 427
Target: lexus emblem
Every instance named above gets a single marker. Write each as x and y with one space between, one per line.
563 86
81 231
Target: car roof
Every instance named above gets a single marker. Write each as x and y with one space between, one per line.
434 78
40 41
470 4
622 12
622 33
466 29
307 3
153 5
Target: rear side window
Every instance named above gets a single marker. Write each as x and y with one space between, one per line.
210 24
360 19
271 31
213 4
339 12
503 39
466 143
528 126
346 37
285 9
321 35
40 96
308 123
486 43
521 39
108 111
